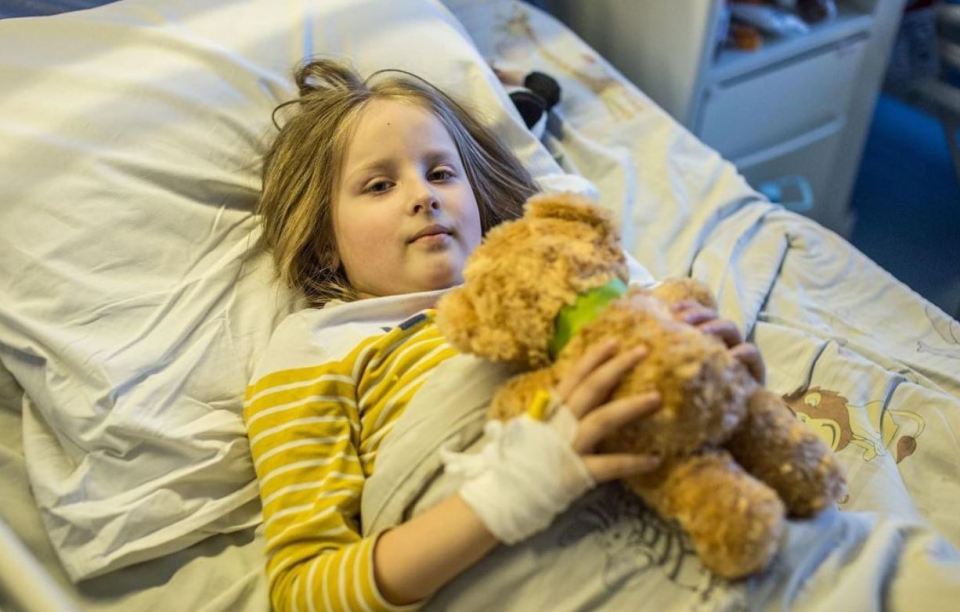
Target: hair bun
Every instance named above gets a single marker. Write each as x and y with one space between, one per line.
324 74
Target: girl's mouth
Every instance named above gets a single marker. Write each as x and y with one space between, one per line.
432 233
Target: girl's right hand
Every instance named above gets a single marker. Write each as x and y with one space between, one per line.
585 391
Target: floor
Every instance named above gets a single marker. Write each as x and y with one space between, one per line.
907 200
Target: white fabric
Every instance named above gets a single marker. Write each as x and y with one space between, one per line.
562 181
564 423
31 589
524 476
313 336
132 307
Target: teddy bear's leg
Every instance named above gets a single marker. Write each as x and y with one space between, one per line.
734 520
773 445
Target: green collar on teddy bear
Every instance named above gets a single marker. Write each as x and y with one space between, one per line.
584 310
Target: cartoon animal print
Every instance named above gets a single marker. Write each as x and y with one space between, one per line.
947 329
636 540
840 423
593 74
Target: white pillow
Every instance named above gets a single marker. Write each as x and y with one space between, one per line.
131 308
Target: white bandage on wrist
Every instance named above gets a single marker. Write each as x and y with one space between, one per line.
524 476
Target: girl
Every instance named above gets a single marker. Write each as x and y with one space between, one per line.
374 194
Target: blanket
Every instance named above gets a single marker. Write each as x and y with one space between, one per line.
886 401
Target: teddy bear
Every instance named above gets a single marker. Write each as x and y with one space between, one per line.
542 289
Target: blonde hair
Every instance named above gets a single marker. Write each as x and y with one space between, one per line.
301 169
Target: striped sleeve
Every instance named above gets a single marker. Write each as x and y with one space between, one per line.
304 431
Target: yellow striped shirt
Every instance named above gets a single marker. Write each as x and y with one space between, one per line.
314 434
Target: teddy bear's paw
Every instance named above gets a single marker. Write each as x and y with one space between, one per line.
747 540
823 486
780 450
734 520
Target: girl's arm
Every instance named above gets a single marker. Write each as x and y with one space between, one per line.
415 559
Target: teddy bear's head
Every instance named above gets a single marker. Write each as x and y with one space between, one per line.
525 272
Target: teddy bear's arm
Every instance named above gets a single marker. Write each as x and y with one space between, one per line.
515 397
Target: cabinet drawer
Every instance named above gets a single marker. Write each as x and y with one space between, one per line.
815 162
748 114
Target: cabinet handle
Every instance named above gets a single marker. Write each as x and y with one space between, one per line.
793 192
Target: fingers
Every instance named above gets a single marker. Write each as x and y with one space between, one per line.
749 355
693 312
604 468
590 361
726 331
594 389
708 321
602 422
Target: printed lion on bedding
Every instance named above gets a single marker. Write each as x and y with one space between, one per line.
543 289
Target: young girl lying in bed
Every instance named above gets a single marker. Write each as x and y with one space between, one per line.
374 194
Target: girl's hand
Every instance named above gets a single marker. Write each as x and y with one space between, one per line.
708 321
585 391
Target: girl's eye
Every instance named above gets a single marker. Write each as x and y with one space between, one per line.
441 174
378 187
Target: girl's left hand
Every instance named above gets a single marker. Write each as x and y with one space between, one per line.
709 321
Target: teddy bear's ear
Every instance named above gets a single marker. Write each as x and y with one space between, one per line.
570 207
479 333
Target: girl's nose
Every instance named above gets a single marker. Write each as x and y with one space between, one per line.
425 200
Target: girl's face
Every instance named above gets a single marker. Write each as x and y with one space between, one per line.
404 214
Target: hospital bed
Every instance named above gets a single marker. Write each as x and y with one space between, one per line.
132 305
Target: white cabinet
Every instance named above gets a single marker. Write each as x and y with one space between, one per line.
795 111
